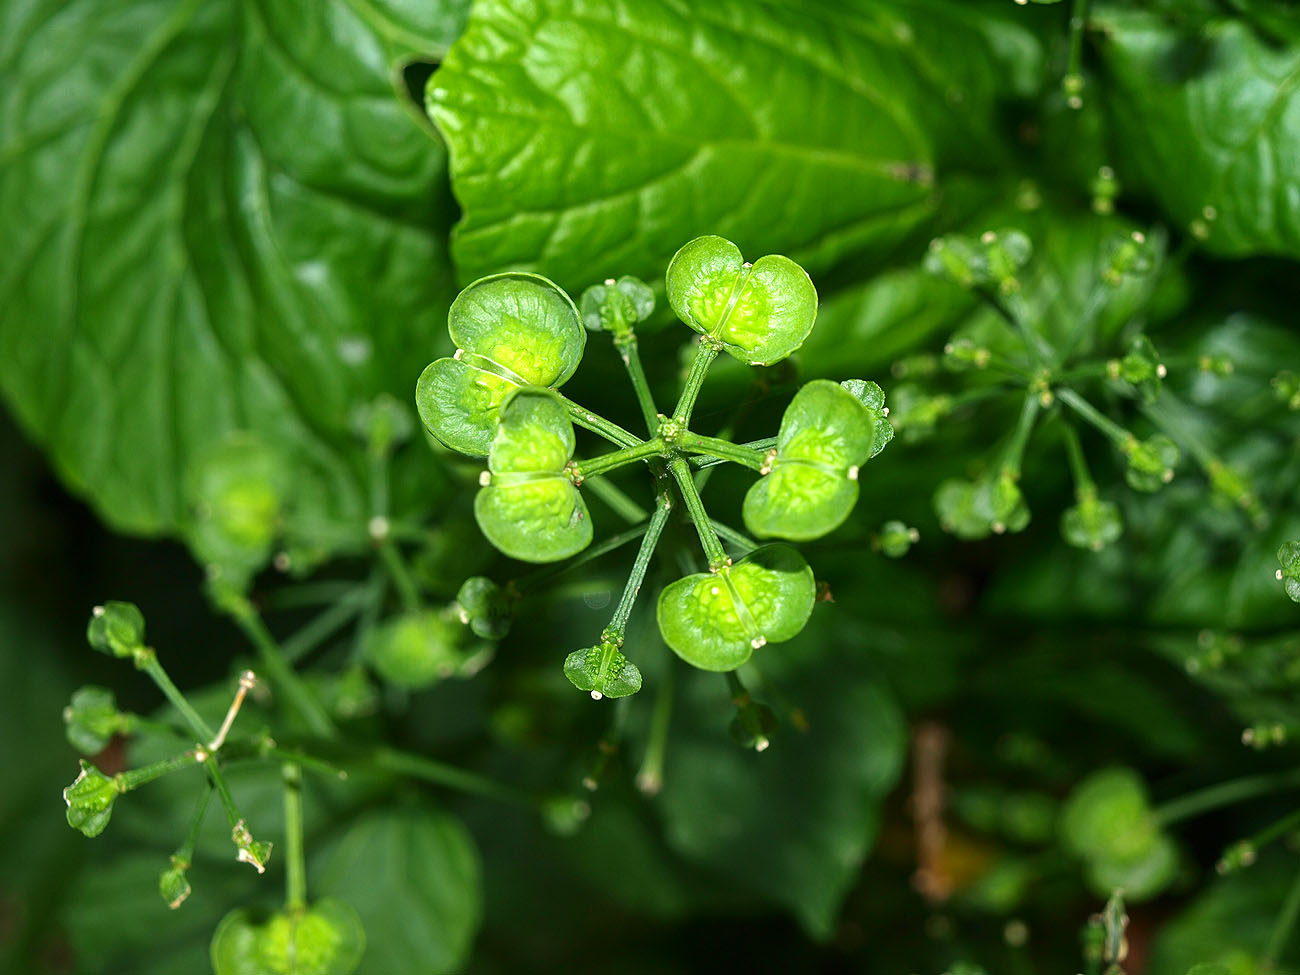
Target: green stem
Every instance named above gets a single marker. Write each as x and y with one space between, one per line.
531 581
448 776
283 677
317 765
218 781
407 591
309 594
618 623
1163 413
1087 316
744 703
1092 370
597 424
1224 794
762 446
650 777
1015 451
732 537
626 345
1016 314
617 500
1073 81
725 450
705 353
713 550
1121 437
295 871
1282 927
1084 486
147 660
185 852
324 626
604 463
134 778
1287 824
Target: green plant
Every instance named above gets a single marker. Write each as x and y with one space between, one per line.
1061 237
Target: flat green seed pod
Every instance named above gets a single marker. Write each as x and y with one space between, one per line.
415 650
90 800
603 671
1288 557
324 939
871 396
511 330
716 620
826 435
1151 463
530 509
1091 524
91 719
760 313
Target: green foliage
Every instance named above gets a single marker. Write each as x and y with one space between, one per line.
229 232
1212 102
1108 823
279 195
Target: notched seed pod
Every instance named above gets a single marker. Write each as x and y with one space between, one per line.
90 800
1140 370
1151 462
896 539
616 306
602 671
1289 575
758 313
1091 523
716 620
530 509
174 884
511 330
325 938
1108 823
484 607
91 719
116 628
382 424
826 435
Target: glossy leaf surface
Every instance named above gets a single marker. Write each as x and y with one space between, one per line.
217 216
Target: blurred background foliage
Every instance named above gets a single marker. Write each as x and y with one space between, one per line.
236 216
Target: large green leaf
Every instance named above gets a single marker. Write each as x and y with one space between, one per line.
792 823
1219 107
590 138
413 876
215 215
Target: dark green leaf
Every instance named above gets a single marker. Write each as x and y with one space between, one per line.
588 140
1215 107
420 898
217 216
